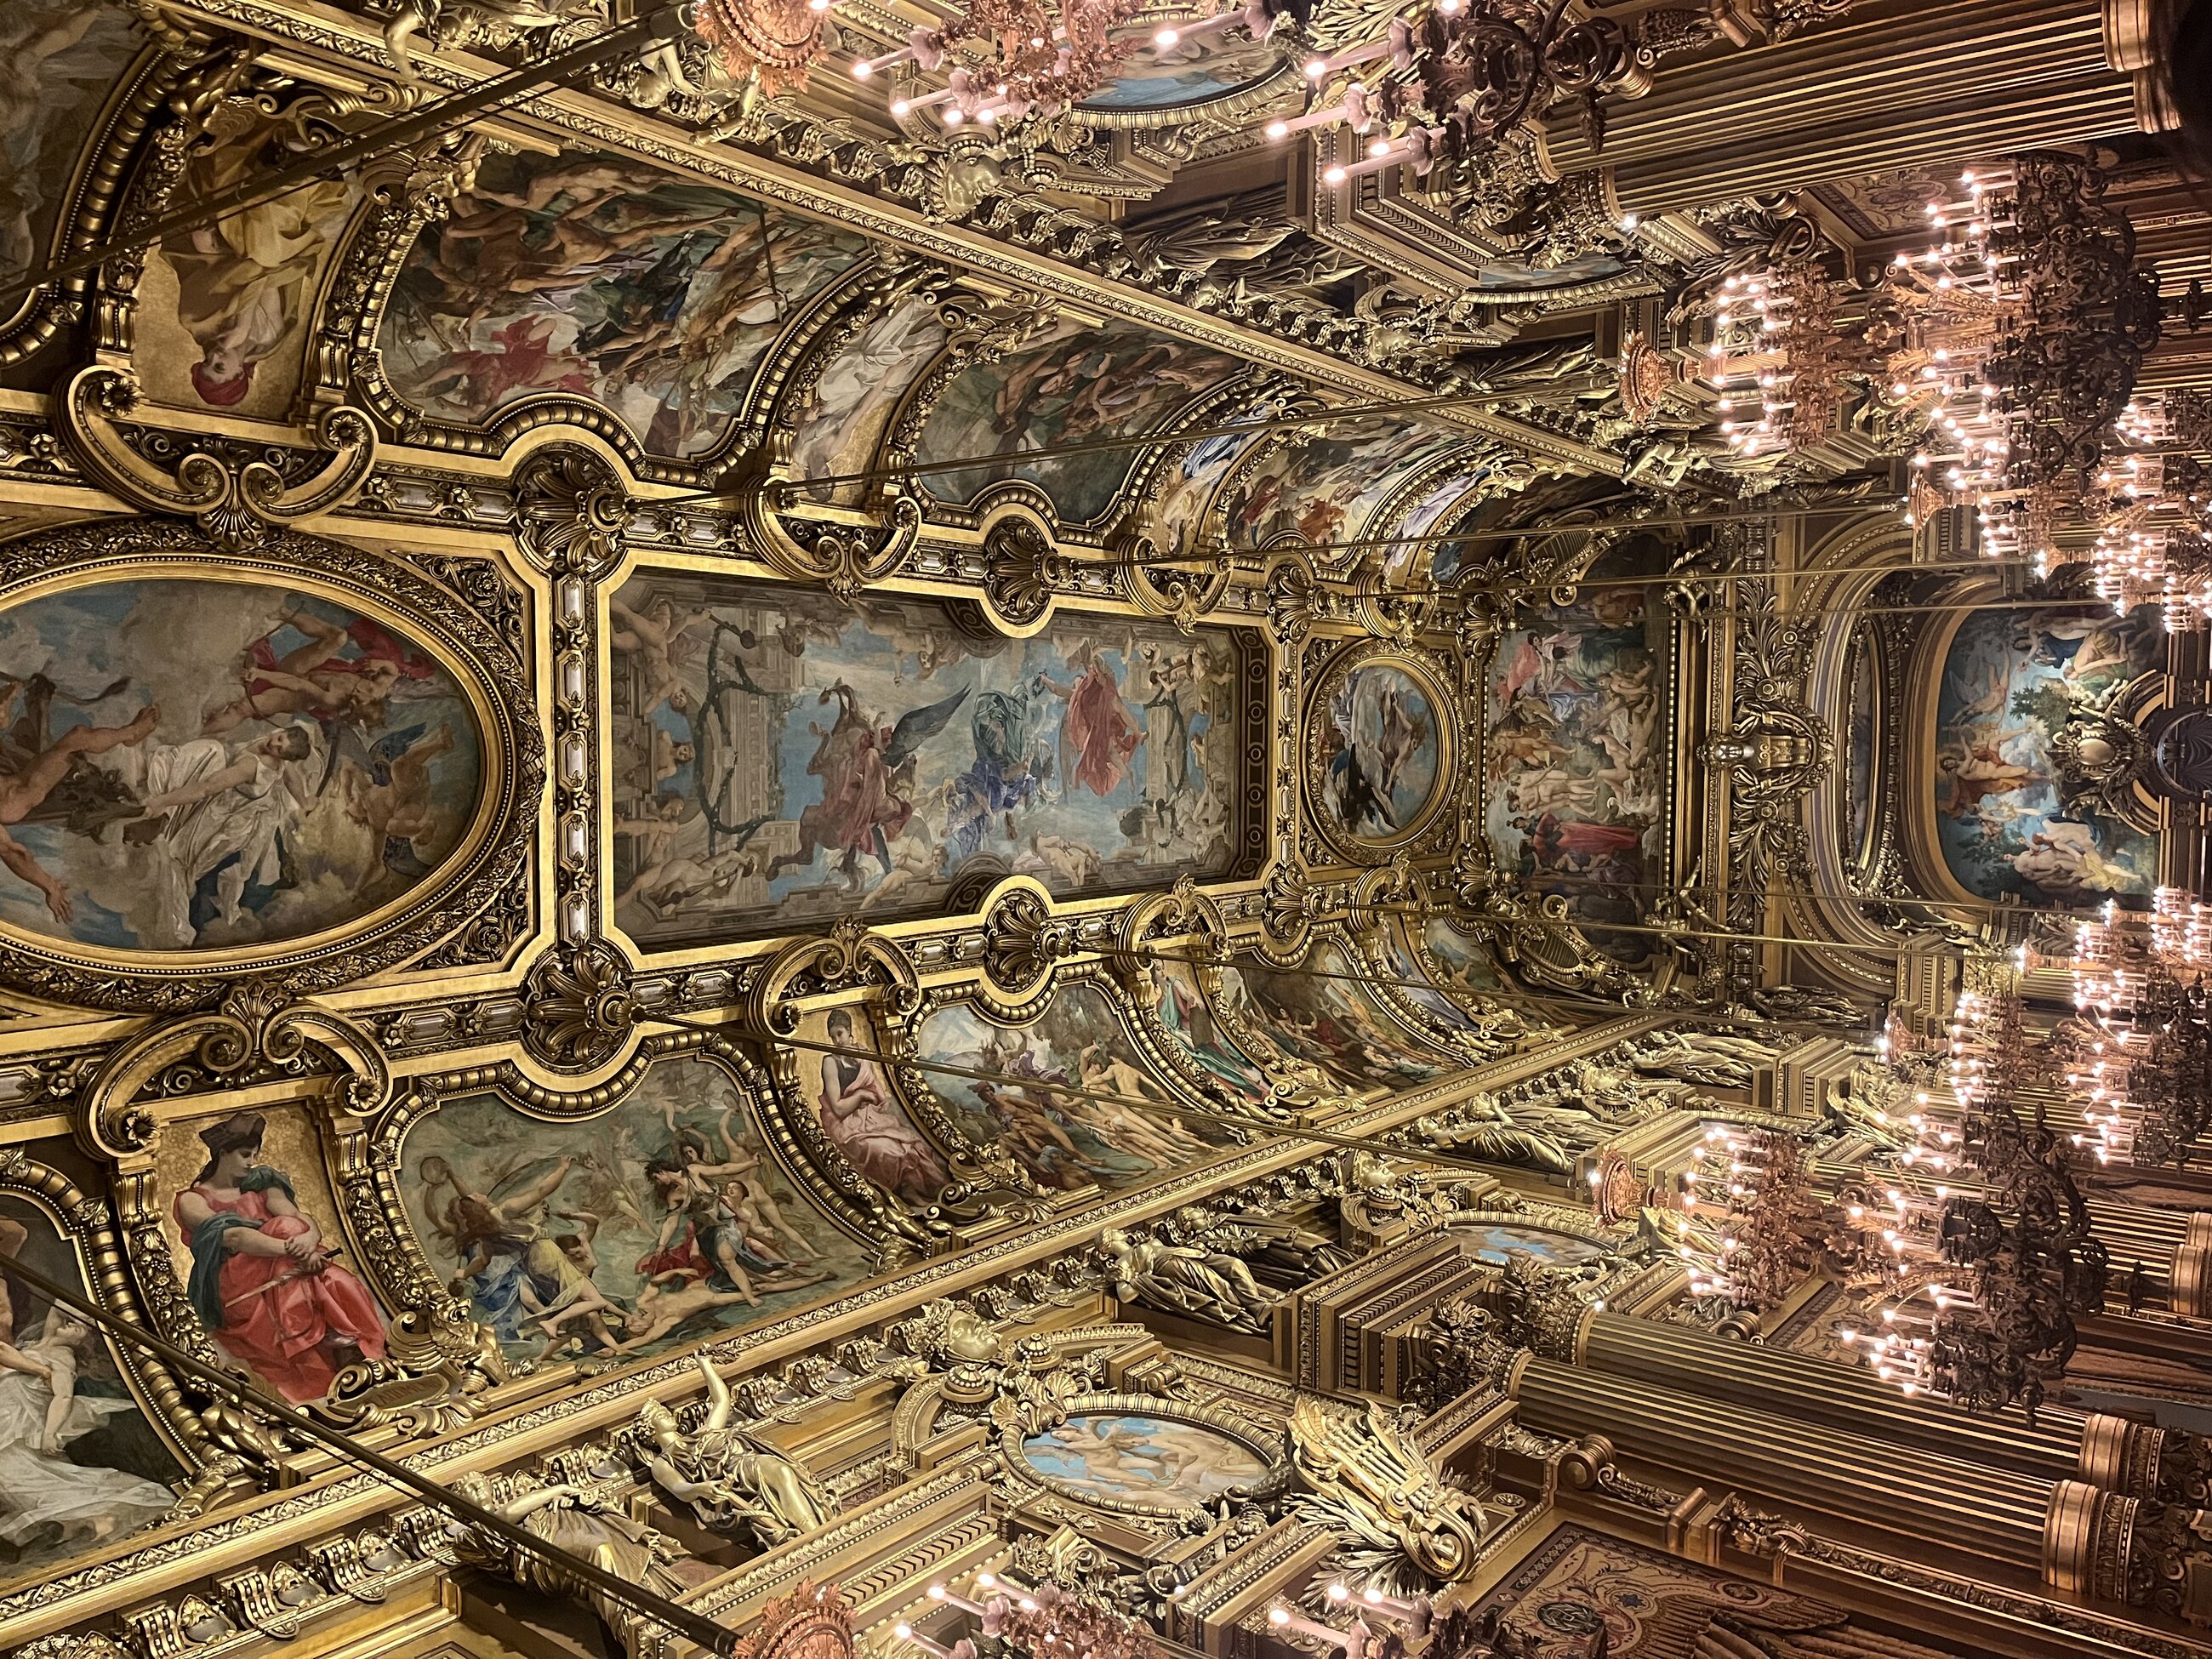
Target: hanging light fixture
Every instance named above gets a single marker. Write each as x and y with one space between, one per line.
1007 59
771 43
1996 1267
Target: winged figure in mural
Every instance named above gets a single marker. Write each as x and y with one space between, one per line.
867 772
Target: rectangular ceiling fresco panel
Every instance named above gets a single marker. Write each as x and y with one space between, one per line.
1576 794
781 758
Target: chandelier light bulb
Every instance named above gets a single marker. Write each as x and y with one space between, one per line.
1333 175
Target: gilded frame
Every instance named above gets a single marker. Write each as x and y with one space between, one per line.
497 682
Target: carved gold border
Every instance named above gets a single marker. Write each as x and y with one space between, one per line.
494 680
1324 678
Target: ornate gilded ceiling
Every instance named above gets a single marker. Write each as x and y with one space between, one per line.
660 721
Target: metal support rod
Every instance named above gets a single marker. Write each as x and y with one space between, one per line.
692 1625
1695 578
1980 907
1157 1109
1140 441
1591 926
1264 967
441 116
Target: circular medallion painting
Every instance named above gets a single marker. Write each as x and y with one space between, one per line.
1379 769
201 765
1494 1241
1134 1459
1198 69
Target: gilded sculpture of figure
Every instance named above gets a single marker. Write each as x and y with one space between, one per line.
1480 1125
1713 1058
574 1519
1205 1284
1366 1480
1384 1189
738 1484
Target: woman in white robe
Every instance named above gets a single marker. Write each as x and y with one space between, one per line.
51 1507
202 804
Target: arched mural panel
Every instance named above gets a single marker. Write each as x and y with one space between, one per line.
81 1462
1323 488
605 278
1576 782
1078 382
665 1217
1324 1017
1856 819
254 1237
839 418
224 311
857 1105
2007 820
1063 1141
59 61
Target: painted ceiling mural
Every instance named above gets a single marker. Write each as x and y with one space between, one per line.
594 276
205 764
226 312
1022 1104
1323 488
850 399
59 60
1078 383
615 1235
1327 1019
2012 682
83 1464
518 875
1196 70
782 755
1577 789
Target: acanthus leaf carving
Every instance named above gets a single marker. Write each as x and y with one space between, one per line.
236 497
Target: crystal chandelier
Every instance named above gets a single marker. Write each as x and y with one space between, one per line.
1753 1190
1994 1268
1450 76
2142 1056
770 43
1047 1622
1011 59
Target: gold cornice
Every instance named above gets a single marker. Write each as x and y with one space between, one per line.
351 42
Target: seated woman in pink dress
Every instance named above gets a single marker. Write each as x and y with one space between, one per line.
265 1286
865 1124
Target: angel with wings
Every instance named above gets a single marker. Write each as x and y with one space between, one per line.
867 771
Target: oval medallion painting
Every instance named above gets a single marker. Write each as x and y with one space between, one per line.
198 765
1155 1461
1381 758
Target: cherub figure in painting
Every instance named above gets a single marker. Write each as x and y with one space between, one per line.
315 678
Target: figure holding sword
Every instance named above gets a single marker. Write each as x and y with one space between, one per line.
268 1289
